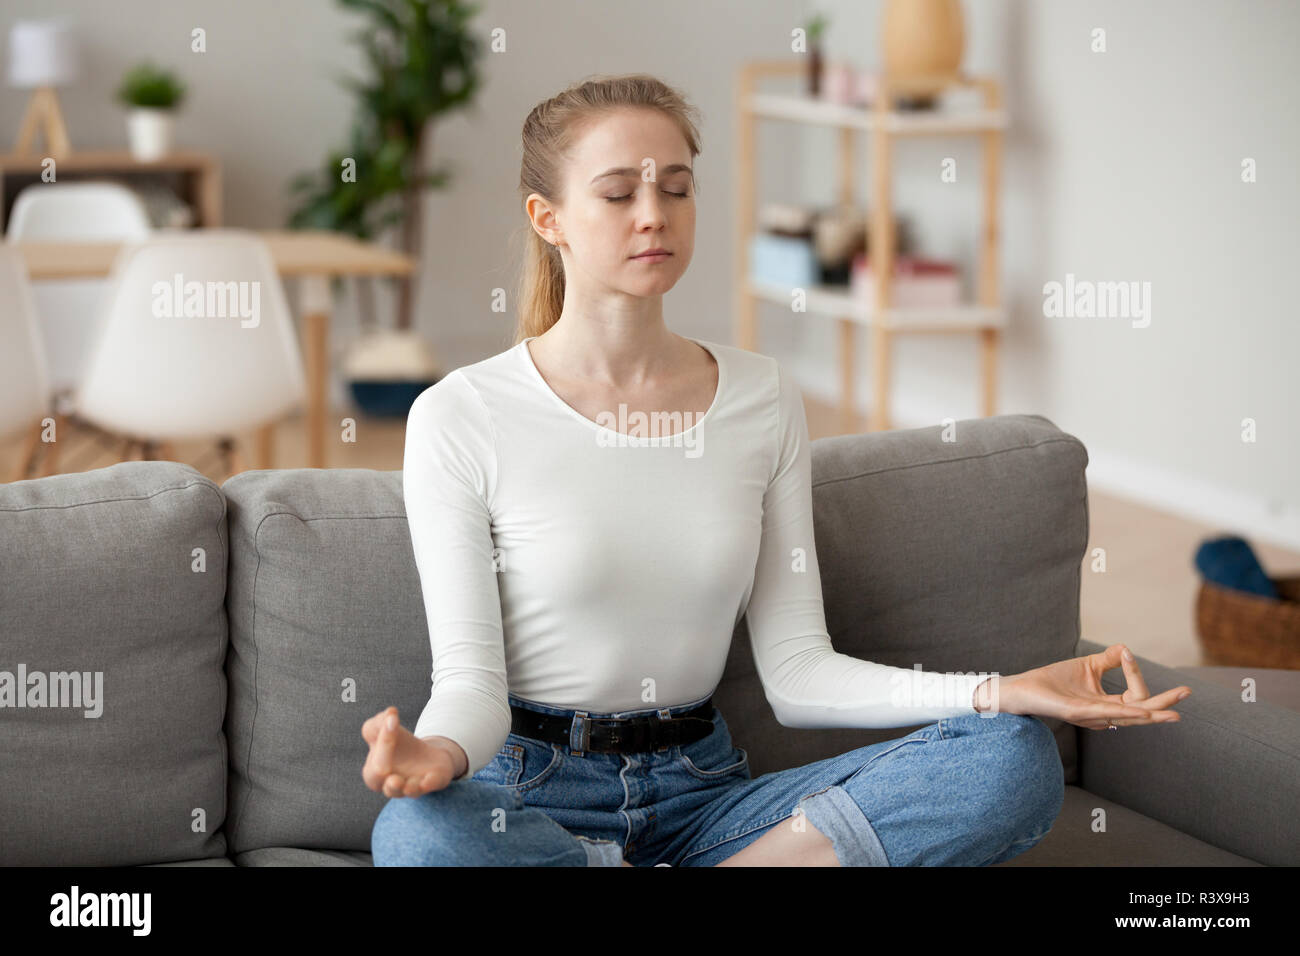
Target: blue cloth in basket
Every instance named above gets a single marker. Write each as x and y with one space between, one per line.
1231 563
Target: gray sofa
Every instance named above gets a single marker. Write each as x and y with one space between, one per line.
242 633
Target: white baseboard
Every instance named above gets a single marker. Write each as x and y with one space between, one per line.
1225 510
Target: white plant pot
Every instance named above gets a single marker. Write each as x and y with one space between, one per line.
150 133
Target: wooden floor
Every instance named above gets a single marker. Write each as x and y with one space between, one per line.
1146 597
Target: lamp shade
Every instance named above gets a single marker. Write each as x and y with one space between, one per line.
43 53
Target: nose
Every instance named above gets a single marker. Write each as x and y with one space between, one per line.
650 209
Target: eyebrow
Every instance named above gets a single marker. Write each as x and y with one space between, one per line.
633 171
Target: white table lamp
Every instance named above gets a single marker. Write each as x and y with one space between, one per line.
43 54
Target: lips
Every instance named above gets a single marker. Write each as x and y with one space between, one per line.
652 252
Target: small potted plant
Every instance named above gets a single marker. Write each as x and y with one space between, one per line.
152 96
815 29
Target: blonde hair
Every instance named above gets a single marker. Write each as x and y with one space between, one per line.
550 131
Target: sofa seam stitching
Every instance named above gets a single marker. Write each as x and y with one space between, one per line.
944 461
202 482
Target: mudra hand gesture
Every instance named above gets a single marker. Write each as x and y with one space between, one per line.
401 764
1071 690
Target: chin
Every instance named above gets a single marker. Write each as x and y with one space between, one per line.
647 289
658 283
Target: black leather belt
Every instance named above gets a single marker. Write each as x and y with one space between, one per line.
616 734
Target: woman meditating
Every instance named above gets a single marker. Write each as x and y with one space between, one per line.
593 510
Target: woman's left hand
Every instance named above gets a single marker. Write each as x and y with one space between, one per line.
1071 690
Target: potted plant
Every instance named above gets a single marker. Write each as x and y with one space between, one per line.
152 95
423 65
815 29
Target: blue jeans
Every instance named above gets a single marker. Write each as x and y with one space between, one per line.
965 791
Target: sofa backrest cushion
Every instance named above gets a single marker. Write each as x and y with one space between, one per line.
327 628
956 548
112 591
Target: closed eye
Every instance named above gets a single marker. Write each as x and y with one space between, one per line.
666 192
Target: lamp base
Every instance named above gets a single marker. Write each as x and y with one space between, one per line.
43 114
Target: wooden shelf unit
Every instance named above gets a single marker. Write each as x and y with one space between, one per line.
195 176
985 317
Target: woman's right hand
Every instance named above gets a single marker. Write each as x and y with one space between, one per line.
400 764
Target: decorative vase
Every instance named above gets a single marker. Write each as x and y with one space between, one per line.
840 84
922 44
149 131
387 370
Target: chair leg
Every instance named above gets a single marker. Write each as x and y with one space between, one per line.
28 456
232 458
34 447
265 446
51 466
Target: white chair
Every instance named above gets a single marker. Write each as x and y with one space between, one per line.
24 377
196 340
67 308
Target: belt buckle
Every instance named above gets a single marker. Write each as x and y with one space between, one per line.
621 734
618 734
580 733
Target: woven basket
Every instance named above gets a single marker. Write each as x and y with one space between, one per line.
1237 629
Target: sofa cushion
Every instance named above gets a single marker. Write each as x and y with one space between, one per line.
211 861
1129 839
117 575
327 628
1272 685
960 555
1225 773
296 856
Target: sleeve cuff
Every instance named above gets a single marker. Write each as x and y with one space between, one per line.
479 747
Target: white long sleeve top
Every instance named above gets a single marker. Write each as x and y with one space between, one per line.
569 564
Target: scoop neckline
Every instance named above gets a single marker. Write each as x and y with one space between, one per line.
708 346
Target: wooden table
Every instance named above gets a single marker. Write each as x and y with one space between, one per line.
312 257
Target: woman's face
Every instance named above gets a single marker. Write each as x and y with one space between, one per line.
629 188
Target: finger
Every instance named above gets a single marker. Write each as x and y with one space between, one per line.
1166 717
1155 717
1111 709
1164 700
393 784
422 785
1137 687
381 750
371 727
1108 659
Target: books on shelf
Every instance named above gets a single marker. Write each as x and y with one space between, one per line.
916 283
783 260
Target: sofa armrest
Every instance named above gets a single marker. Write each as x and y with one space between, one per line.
1228 773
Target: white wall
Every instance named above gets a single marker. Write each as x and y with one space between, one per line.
1126 165
1118 166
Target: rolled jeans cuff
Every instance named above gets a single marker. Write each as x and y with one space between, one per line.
601 852
833 812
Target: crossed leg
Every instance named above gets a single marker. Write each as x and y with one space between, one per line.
966 791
